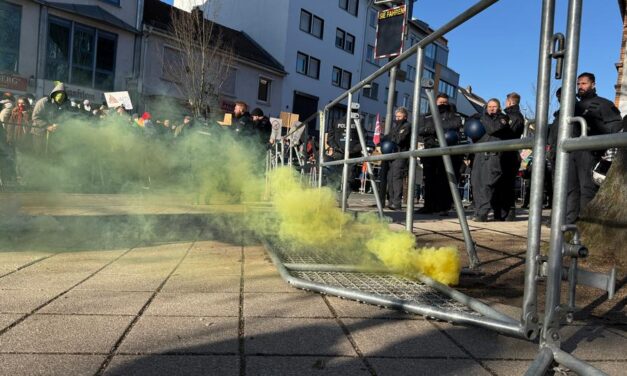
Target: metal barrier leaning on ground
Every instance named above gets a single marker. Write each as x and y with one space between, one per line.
531 324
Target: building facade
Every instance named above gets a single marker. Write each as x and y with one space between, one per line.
90 45
326 47
255 77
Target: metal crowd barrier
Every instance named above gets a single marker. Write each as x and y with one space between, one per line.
340 277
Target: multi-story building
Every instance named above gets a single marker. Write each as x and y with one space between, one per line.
326 47
90 45
255 76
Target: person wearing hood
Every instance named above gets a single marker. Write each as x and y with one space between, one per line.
602 117
45 116
400 135
437 194
486 170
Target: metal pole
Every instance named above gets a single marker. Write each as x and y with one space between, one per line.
415 118
578 366
602 142
492 146
347 138
390 106
541 363
550 331
364 151
530 310
321 150
452 182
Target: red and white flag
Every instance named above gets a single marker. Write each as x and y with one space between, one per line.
377 132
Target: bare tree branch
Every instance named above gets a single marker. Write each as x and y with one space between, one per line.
203 61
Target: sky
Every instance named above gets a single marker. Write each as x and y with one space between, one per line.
496 52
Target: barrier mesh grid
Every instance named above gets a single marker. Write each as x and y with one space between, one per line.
378 284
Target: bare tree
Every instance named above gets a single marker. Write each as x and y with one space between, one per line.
203 59
604 220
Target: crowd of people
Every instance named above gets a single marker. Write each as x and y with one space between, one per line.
27 125
30 127
493 175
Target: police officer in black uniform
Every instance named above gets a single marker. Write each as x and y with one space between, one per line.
602 117
505 200
437 194
262 126
243 123
400 135
486 170
334 150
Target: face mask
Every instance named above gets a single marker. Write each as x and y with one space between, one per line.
59 98
443 108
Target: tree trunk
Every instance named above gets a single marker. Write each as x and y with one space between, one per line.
604 221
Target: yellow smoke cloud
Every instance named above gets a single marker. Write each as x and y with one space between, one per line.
310 218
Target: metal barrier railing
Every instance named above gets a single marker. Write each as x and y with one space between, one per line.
531 323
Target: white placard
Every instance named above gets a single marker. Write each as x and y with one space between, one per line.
277 125
118 98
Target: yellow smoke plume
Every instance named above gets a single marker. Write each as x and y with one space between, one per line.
310 218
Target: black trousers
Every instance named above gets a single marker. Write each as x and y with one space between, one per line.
437 193
383 181
486 172
581 188
396 174
505 197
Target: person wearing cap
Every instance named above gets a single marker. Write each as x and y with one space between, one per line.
262 126
45 116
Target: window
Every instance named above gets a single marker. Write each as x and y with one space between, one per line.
263 90
427 74
339 38
311 24
412 40
424 105
411 73
430 55
10 19
372 17
93 55
307 65
341 78
172 64
372 92
445 87
305 21
351 6
370 55
344 41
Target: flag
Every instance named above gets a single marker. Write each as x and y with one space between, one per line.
377 132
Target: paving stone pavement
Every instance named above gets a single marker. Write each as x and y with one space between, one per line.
216 308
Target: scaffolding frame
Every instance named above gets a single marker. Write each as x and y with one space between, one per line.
531 324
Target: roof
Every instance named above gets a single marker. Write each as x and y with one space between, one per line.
476 101
157 14
91 11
